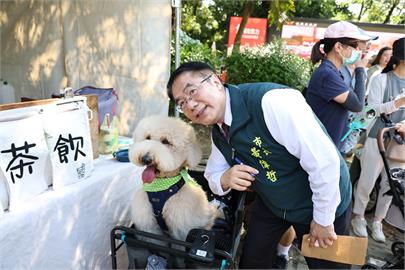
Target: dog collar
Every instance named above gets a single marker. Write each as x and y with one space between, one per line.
163 183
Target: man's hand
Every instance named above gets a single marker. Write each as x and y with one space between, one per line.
321 235
400 128
400 102
238 177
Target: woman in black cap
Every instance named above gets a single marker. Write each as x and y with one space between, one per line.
387 95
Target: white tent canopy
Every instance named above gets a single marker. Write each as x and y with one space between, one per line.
48 45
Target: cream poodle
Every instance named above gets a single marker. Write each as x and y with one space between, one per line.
169 200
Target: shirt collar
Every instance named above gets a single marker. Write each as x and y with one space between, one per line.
331 65
328 63
228 111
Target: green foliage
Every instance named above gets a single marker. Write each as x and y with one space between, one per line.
320 9
194 50
280 11
379 9
270 63
371 11
376 11
209 23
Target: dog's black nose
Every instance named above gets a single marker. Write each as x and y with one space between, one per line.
146 159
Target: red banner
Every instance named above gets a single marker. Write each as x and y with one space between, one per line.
253 35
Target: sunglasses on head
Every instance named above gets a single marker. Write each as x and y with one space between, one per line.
352 44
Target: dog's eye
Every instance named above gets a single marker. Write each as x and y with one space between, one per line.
165 141
147 137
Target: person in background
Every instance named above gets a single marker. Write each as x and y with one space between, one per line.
283 246
328 95
265 137
282 257
348 72
371 60
387 95
379 63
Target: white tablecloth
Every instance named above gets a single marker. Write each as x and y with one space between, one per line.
70 228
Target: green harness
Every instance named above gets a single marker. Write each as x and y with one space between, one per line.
161 189
163 183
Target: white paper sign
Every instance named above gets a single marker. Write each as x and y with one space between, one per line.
67 133
24 158
4 200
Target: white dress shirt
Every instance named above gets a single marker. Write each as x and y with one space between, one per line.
291 122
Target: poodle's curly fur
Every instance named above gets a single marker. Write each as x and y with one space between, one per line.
169 144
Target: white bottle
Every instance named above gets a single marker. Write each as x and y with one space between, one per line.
7 94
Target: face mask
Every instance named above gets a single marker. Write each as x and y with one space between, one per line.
353 58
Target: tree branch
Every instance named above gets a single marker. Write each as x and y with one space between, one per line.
388 17
361 11
247 11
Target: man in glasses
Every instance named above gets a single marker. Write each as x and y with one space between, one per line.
266 138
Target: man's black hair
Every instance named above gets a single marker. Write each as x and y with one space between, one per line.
189 66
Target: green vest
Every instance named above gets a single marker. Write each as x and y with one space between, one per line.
282 183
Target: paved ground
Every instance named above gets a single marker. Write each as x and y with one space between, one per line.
376 251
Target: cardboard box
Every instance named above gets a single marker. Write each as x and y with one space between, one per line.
346 249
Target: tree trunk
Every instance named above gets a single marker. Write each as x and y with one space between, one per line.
365 6
247 11
361 11
195 6
272 33
394 5
403 18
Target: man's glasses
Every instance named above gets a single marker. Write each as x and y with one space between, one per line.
182 103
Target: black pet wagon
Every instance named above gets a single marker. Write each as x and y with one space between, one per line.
216 248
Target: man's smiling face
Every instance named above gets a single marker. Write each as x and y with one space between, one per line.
201 96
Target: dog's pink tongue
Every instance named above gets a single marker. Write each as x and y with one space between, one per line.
148 174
